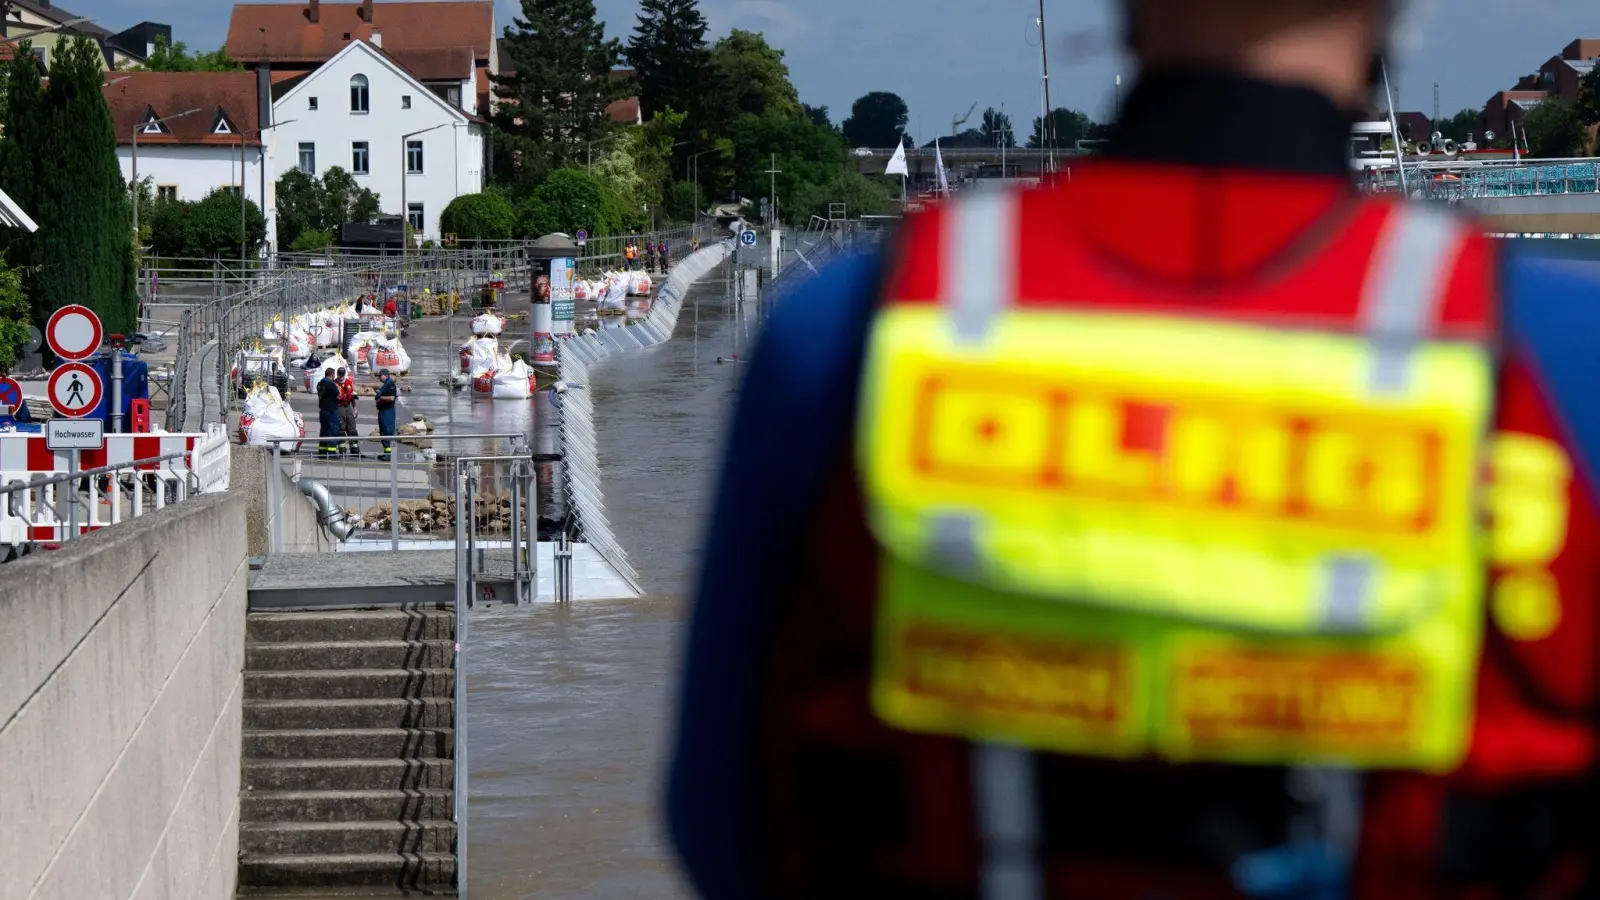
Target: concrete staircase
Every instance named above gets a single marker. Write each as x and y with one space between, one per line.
349 736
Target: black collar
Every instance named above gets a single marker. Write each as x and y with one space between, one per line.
1210 118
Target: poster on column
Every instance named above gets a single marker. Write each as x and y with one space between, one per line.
563 307
543 338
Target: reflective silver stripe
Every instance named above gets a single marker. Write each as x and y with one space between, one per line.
979 255
1409 274
1347 593
953 544
1005 800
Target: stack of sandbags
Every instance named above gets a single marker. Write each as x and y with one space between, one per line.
514 382
386 353
314 372
265 416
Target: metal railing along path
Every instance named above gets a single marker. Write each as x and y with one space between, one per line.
408 497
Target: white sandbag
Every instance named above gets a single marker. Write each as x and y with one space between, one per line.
515 382
639 284
580 290
298 346
328 331
386 353
616 296
360 349
481 356
277 421
314 373
368 310
488 324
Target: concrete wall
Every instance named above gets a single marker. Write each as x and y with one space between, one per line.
251 467
120 689
1538 214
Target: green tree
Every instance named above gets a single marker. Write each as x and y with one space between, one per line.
14 315
345 200
1460 126
996 129
748 77
570 199
165 225
861 195
669 55
877 119
300 202
176 58
83 251
1071 127
817 114
805 154
1555 130
211 226
479 217
1589 97
22 150
554 104
310 240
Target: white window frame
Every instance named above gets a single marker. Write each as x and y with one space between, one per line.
311 104
307 149
166 192
361 150
420 160
405 101
360 95
416 216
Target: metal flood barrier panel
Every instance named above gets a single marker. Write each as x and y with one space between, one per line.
580 448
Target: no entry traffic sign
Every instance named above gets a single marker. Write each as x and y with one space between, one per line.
74 332
10 394
74 390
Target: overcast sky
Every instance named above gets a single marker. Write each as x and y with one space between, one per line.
943 55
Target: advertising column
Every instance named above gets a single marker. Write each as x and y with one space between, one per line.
544 344
563 305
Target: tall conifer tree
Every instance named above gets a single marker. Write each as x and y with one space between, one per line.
561 85
669 55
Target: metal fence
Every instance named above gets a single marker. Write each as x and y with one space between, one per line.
408 497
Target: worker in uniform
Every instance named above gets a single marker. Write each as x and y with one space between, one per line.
329 429
388 395
391 308
347 411
1124 539
666 257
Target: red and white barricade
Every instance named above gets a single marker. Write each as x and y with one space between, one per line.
39 512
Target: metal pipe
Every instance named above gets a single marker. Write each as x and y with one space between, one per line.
274 501
516 534
330 515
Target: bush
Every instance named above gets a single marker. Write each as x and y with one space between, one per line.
568 200
479 217
311 240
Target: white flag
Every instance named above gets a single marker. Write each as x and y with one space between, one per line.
938 163
897 163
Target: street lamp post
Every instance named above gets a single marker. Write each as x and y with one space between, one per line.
405 172
694 163
12 39
138 128
590 145
243 232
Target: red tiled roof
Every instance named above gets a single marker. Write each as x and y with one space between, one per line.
167 93
625 111
436 64
284 31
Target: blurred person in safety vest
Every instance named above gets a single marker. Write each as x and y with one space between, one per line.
347 410
1193 527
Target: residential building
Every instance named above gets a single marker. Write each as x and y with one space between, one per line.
1560 76
133 47
186 157
448 45
26 16
367 114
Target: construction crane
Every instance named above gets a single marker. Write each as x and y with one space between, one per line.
955 123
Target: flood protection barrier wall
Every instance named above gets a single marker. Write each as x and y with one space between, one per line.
580 448
121 682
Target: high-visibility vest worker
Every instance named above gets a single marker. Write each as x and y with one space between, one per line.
1128 537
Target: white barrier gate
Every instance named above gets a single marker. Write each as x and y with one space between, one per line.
142 473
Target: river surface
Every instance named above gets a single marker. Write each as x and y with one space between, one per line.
568 708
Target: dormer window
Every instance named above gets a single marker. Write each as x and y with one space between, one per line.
152 123
358 94
221 126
